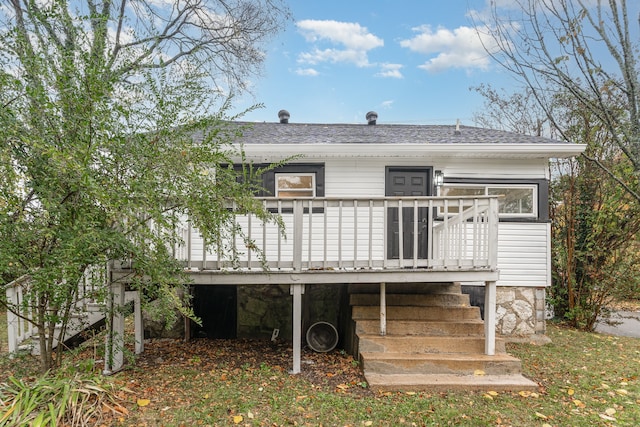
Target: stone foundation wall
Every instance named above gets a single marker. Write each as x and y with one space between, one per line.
520 311
261 309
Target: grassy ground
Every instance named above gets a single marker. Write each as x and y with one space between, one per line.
585 380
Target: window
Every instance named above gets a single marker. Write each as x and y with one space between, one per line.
515 201
295 184
295 180
290 180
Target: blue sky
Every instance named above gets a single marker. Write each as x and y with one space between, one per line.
411 61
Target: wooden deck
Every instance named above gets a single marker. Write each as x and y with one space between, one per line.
334 240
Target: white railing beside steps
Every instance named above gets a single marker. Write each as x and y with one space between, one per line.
19 329
89 310
352 233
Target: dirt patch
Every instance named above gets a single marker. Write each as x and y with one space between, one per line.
329 371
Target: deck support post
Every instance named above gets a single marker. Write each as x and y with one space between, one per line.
114 342
138 323
383 309
297 290
490 318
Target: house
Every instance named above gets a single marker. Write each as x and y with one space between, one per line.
472 205
389 228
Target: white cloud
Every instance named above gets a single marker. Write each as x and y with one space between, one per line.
307 72
390 70
350 34
349 42
462 47
387 104
317 56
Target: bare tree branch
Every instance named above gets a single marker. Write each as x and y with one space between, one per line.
580 48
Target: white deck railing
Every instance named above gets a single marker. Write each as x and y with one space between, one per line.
20 315
331 233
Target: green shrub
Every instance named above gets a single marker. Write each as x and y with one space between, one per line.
75 397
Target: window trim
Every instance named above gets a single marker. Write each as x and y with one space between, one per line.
267 179
487 187
534 188
541 194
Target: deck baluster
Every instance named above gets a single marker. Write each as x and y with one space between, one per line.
461 233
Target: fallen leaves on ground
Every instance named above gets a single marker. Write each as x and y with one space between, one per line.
224 357
159 374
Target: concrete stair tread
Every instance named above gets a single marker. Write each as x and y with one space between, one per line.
499 357
409 337
446 299
428 322
406 288
441 382
424 338
443 313
463 328
419 344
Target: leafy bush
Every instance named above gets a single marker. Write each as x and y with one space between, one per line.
74 397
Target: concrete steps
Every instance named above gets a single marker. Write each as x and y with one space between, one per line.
434 341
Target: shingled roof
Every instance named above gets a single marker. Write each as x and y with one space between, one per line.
300 133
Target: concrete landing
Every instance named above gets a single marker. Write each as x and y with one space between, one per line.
439 363
449 382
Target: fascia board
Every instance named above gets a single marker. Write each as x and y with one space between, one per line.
511 151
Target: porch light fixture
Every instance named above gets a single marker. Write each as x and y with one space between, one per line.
438 178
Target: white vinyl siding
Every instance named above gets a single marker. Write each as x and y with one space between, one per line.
524 254
358 177
495 168
365 177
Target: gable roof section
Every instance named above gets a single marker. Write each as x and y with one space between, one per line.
349 140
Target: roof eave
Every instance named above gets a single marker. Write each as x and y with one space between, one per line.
272 152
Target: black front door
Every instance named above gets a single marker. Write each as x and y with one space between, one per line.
404 181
